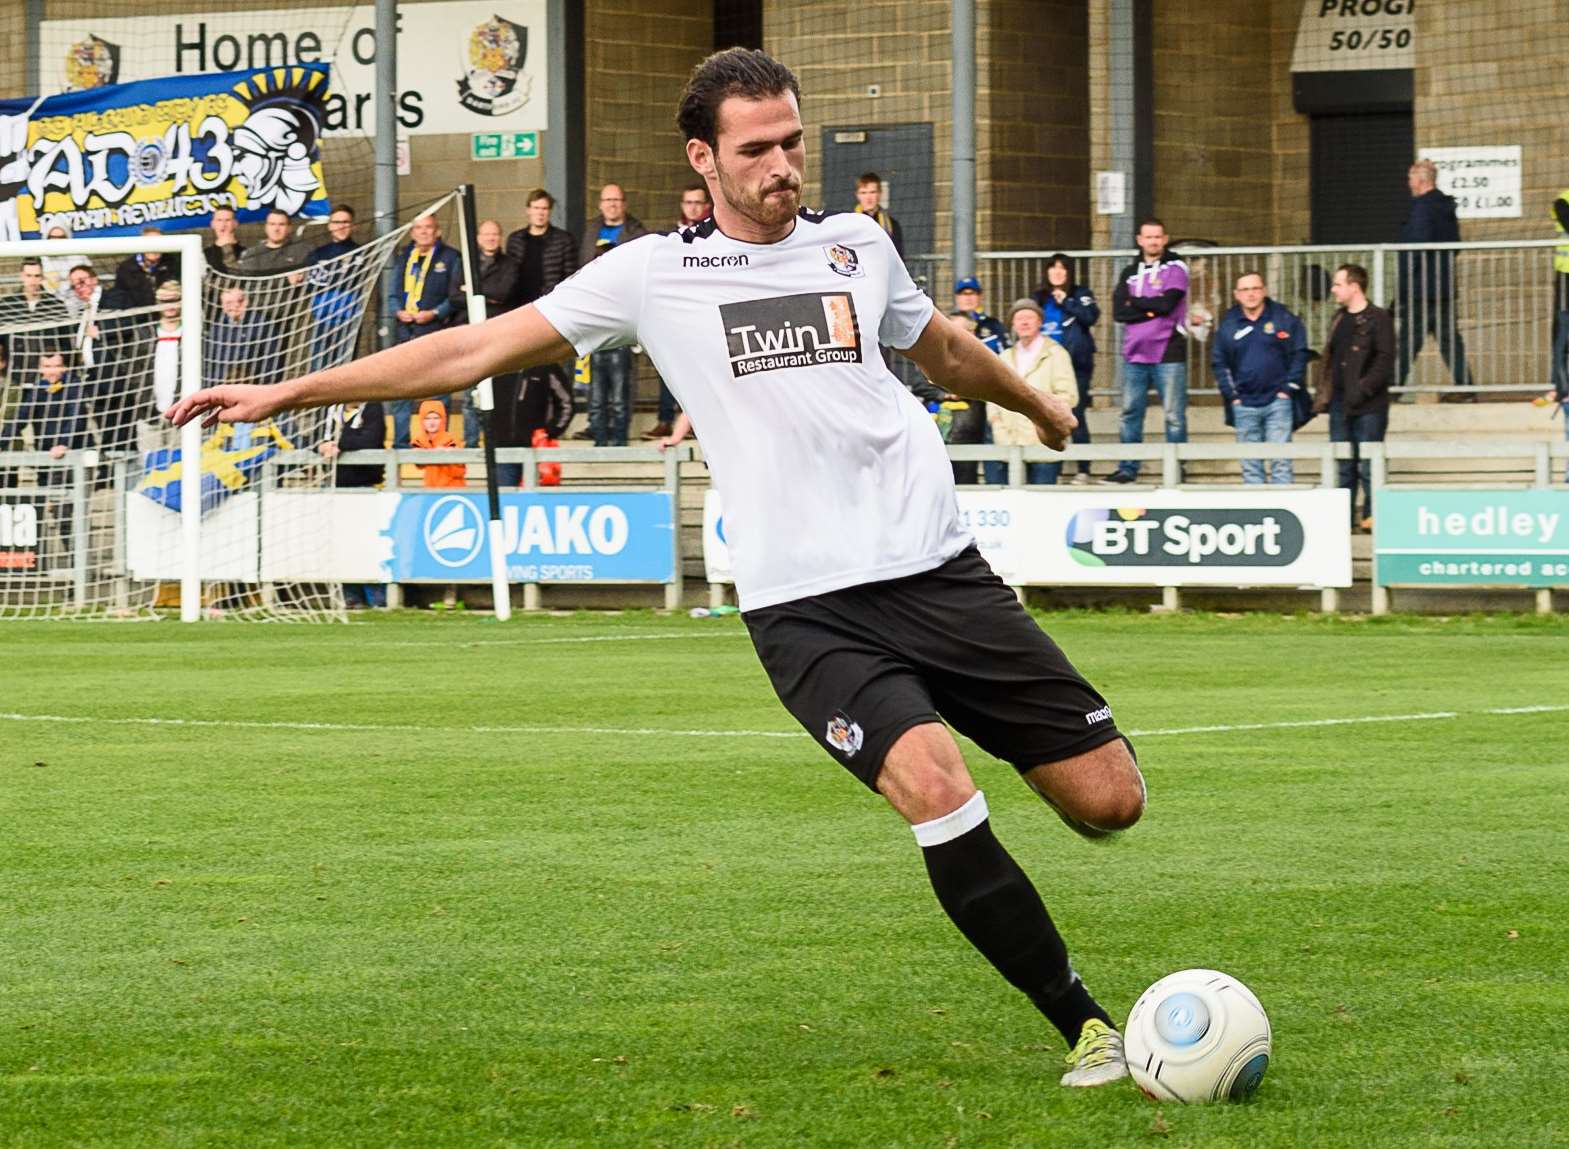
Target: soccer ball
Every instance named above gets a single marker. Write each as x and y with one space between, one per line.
1198 1035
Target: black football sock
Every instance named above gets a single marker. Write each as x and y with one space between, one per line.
997 908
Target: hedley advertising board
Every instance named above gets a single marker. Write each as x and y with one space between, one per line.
1439 537
554 537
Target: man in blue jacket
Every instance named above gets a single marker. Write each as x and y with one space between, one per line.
1260 356
431 273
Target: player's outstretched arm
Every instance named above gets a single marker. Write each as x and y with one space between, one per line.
452 360
959 363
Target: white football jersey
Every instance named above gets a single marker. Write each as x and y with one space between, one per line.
831 472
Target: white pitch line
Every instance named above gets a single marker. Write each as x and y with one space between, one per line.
632 636
375 728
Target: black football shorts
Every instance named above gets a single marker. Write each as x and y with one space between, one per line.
860 666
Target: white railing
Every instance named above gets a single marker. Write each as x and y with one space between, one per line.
1493 301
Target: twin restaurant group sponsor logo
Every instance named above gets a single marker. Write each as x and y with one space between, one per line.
808 330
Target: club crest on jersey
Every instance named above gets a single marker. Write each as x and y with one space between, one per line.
843 261
844 735
815 329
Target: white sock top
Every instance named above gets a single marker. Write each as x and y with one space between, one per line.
952 825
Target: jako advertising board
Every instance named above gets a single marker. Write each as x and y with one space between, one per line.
1471 538
1156 538
413 536
462 66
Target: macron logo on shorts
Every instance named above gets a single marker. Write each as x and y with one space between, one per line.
1094 716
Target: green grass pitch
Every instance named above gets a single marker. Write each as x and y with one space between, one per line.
444 882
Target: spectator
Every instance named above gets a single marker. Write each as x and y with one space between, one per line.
362 427
166 365
115 355
57 272
1559 396
1426 302
138 276
963 421
225 251
1151 299
53 403
277 252
497 273
242 345
433 435
340 227
696 206
869 201
1260 355
1069 311
990 331
1358 366
1560 374
1044 364
432 276
33 305
336 297
610 372
545 254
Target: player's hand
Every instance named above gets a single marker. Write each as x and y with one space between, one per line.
1058 423
229 403
669 441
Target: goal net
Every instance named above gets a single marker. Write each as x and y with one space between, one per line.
97 490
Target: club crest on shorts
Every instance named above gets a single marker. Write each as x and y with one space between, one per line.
844 735
843 261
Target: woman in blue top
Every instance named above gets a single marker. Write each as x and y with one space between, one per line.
1070 311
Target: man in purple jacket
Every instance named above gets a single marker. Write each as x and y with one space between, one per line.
1151 301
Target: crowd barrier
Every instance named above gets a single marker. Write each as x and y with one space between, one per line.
1492 303
619 518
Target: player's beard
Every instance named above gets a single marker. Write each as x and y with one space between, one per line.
769 206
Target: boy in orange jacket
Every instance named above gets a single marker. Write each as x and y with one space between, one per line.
432 435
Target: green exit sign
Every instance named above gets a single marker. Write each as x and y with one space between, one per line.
506 146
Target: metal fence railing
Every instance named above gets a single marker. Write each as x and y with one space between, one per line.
1488 305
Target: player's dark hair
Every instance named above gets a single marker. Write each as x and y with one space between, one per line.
868 178
537 194
749 73
1355 273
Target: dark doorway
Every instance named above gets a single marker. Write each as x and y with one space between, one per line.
902 155
738 24
1359 165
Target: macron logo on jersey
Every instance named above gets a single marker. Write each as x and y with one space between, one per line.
738 260
787 331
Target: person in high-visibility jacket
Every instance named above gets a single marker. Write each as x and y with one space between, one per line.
1561 294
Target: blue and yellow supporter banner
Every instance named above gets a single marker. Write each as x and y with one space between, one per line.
112 160
230 459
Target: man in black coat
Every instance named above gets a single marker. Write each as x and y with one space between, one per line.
1426 301
139 276
545 254
31 306
1354 378
610 380
115 354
